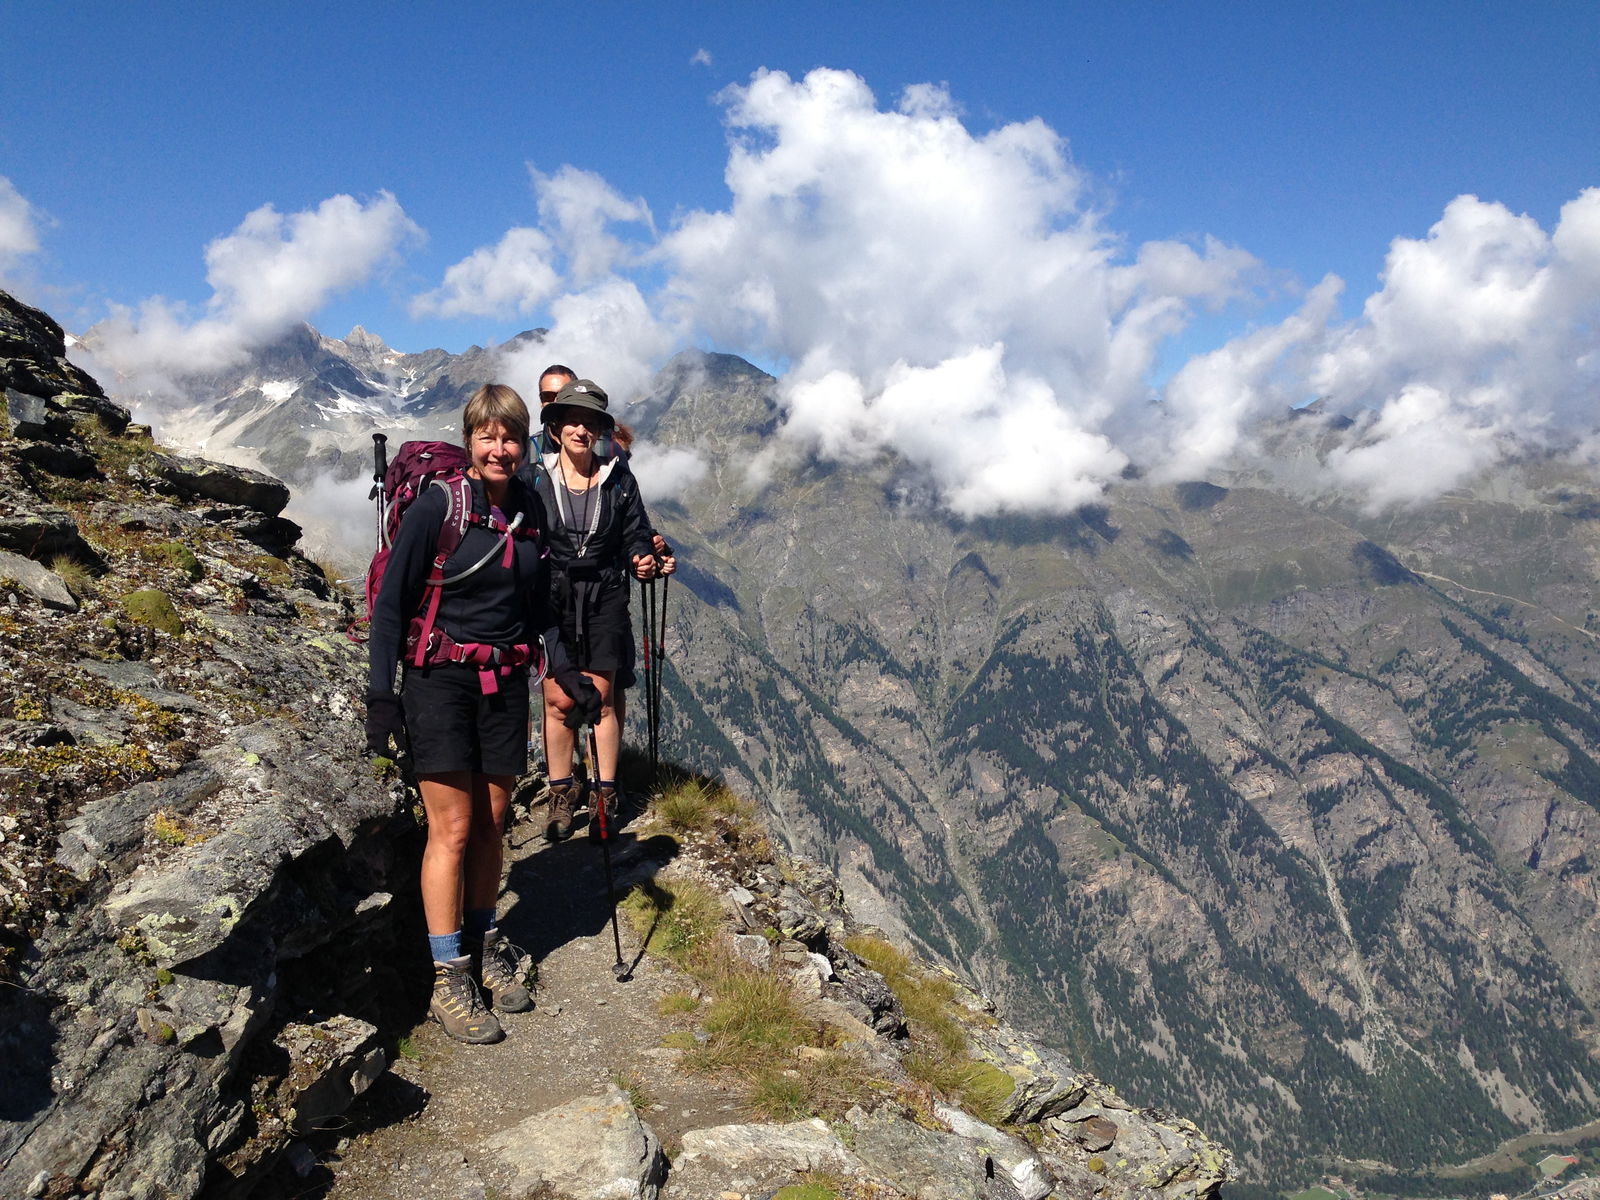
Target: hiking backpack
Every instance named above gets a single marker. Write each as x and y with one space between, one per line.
416 467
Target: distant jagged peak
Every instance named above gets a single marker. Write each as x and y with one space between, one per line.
359 338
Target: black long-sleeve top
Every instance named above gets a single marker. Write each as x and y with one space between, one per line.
495 605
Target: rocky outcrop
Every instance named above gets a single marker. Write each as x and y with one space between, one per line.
196 860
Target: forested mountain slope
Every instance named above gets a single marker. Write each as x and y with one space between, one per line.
1276 812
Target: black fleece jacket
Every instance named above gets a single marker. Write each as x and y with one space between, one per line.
624 526
495 605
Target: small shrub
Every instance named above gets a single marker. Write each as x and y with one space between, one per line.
179 557
168 829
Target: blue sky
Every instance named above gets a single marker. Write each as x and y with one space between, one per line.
1307 136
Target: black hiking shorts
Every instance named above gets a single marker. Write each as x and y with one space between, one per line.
453 726
607 633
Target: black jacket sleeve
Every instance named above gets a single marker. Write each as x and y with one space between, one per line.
635 521
404 580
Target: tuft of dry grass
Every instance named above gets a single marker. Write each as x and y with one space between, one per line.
941 1060
822 1084
676 921
753 1023
75 575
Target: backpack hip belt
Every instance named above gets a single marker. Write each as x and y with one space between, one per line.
493 662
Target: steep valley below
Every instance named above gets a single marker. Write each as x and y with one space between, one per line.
1271 810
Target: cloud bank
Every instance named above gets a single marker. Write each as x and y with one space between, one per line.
962 299
19 227
270 273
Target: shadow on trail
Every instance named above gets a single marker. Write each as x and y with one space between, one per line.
561 889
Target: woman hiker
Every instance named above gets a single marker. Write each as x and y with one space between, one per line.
600 537
464 701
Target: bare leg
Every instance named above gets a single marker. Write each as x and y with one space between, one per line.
558 739
608 729
491 796
447 799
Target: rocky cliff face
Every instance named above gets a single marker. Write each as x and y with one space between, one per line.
195 865
1279 812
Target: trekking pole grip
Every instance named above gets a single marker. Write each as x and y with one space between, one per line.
380 456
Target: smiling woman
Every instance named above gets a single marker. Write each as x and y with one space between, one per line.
463 706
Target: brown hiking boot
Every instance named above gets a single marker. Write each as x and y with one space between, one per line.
507 972
607 797
457 1005
563 802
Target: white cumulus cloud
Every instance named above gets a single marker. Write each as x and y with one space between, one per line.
607 333
514 275
19 226
917 276
274 270
667 472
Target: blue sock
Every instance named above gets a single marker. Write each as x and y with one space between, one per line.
563 779
445 946
476 922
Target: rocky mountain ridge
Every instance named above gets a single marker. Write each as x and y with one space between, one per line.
305 405
1245 795
205 883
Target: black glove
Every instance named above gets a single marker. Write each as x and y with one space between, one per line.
585 696
384 721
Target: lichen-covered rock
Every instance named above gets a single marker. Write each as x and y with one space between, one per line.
198 478
195 854
593 1148
925 1163
748 1159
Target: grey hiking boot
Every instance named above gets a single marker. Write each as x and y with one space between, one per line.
563 802
508 973
457 1005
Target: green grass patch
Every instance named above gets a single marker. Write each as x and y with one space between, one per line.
940 1059
675 1004
675 922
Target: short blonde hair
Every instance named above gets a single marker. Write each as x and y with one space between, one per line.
495 402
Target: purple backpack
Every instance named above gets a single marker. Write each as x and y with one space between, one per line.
417 467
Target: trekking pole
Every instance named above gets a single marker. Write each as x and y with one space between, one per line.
647 608
597 812
660 661
380 468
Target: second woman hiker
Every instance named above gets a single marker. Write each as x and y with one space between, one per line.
467 629
600 538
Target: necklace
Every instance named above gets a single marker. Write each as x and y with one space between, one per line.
582 527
